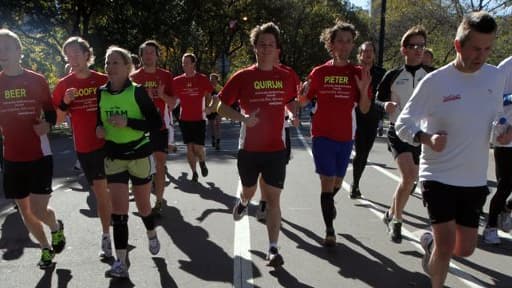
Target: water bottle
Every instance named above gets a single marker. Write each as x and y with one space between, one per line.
500 126
507 99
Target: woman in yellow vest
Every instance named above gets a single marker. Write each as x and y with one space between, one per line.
125 116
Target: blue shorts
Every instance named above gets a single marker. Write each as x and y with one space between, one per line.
331 157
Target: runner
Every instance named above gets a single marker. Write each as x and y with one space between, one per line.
262 90
339 87
193 89
214 118
158 84
367 124
125 115
75 95
394 91
27 154
451 114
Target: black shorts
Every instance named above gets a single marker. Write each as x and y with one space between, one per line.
446 203
160 140
212 116
271 165
93 165
24 178
193 131
398 146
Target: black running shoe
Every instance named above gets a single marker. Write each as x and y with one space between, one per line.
274 258
58 238
195 177
239 210
355 193
395 231
330 238
204 170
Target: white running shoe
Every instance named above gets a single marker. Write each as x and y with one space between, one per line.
106 247
154 245
118 270
426 242
505 221
490 236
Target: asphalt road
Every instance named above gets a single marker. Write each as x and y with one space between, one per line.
203 247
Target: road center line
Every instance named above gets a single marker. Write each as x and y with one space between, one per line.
242 262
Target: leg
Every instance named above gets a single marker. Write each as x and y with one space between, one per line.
160 161
273 195
33 224
104 206
409 172
191 157
40 208
444 245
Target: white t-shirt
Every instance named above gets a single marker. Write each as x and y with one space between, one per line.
506 68
464 105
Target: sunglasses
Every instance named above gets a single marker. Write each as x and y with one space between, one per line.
416 46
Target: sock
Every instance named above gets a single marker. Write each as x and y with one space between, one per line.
105 235
121 255
327 203
55 227
273 248
149 222
120 228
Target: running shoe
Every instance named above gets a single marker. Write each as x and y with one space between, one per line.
505 221
154 245
395 231
239 210
118 270
106 247
426 241
490 236
261 212
204 169
330 238
386 218
195 177
355 193
58 238
157 209
47 256
274 258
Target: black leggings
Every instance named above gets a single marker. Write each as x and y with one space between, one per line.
366 132
503 160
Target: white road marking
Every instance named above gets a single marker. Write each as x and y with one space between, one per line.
242 270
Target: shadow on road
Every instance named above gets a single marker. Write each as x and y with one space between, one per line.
14 237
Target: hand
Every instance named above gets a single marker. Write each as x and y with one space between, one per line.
252 120
160 91
304 88
42 127
390 107
69 95
118 121
295 122
506 137
438 141
363 83
100 132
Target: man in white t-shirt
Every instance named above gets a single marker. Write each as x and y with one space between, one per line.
451 114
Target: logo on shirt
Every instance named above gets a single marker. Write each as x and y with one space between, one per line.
150 84
451 97
86 91
266 84
115 111
15 93
335 80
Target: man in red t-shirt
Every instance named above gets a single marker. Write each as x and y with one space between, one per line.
75 94
194 90
263 90
28 164
158 84
339 87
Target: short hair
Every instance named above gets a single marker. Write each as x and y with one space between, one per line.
480 21
417 30
267 28
367 43
135 59
329 34
150 43
13 36
215 75
82 44
125 54
430 52
192 57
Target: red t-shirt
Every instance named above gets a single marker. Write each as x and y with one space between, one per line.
295 77
83 109
337 95
24 98
191 91
151 81
268 91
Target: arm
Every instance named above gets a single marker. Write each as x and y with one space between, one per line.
383 97
152 120
363 85
232 114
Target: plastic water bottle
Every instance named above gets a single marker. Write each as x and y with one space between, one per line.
507 99
500 126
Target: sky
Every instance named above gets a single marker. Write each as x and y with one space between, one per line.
361 3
